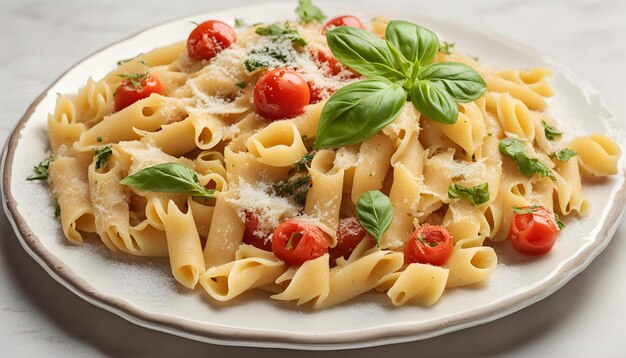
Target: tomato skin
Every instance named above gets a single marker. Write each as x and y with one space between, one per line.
210 38
250 234
346 20
418 251
127 94
349 234
533 233
280 94
312 243
326 61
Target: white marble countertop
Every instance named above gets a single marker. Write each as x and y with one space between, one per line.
40 39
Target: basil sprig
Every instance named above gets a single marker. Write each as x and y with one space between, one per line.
514 149
374 212
398 68
477 194
168 178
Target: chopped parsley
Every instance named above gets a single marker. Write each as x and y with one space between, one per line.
550 132
99 139
268 57
241 84
295 188
301 165
514 149
294 235
135 79
102 156
447 47
57 208
282 33
426 242
478 194
564 154
307 12
40 172
239 22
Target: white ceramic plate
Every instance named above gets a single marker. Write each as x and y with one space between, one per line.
143 292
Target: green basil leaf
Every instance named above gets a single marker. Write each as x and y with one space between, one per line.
528 166
358 111
434 102
374 212
551 132
415 43
307 12
564 154
478 194
458 80
363 52
102 156
282 33
168 178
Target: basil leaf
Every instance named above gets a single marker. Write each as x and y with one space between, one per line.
374 212
168 178
307 12
458 80
478 194
102 156
550 132
282 33
269 57
358 111
363 52
514 149
434 102
415 43
564 154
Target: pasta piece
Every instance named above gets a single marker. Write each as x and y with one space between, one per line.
372 165
279 144
252 268
470 265
63 130
68 176
468 131
183 245
418 284
535 79
149 240
223 239
308 282
513 115
93 102
597 154
568 188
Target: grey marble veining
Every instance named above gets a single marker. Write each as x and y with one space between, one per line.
40 39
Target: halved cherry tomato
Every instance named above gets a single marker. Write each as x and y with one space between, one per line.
295 242
349 234
429 244
210 38
280 94
253 236
346 20
533 232
132 90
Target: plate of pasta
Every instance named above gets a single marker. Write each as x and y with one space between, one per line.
309 179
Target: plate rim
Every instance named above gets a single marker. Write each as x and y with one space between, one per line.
217 334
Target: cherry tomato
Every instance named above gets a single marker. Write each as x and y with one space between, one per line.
429 244
210 38
280 94
347 20
349 234
132 90
534 232
295 242
326 61
253 236
316 92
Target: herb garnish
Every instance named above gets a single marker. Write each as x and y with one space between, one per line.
374 212
241 84
268 57
294 235
301 165
135 79
533 209
514 149
478 194
307 12
295 188
57 207
550 132
564 154
40 172
447 47
168 178
120 62
282 33
239 22
102 156
426 242
99 139
398 68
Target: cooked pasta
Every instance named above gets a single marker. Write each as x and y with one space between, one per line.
200 154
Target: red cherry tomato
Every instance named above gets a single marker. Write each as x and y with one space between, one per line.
210 38
280 94
347 20
131 91
253 236
430 244
533 233
349 234
326 61
295 242
317 93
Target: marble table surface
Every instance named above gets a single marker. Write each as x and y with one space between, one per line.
40 39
